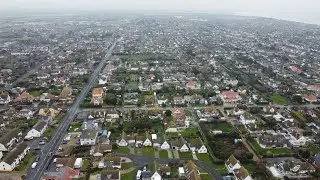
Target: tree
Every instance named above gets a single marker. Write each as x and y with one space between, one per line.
168 113
111 99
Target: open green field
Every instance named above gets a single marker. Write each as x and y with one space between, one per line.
75 127
224 127
221 168
206 177
122 150
48 132
126 165
277 99
189 132
163 154
205 158
129 176
185 155
298 116
148 151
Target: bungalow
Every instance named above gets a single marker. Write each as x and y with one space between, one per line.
37 130
14 157
178 100
191 171
192 85
24 97
7 141
139 141
65 162
110 175
310 98
165 146
179 117
164 170
180 145
65 93
147 142
197 146
88 137
230 96
242 174
26 113
156 176
122 142
247 119
232 164
101 149
48 112
97 96
111 162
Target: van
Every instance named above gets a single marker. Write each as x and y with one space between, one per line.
34 165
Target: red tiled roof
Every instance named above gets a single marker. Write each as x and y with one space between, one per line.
230 95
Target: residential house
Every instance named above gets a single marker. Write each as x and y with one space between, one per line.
111 116
191 171
272 140
310 98
65 162
242 174
230 96
88 137
193 85
26 113
165 145
110 162
8 140
197 146
48 112
179 117
110 175
66 151
37 130
97 96
178 100
14 157
155 140
122 142
232 164
24 97
156 176
247 118
4 97
140 140
164 170
180 145
63 173
147 142
65 93
102 149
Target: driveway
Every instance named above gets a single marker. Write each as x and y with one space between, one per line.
194 155
176 154
170 154
131 150
156 154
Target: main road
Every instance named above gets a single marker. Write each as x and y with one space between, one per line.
52 146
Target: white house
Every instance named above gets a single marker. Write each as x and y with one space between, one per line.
37 130
9 139
122 143
4 98
14 157
147 142
78 163
247 120
184 148
165 145
232 164
156 176
88 137
242 174
203 149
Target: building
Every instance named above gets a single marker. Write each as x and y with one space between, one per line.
230 96
234 166
110 175
97 96
101 149
88 137
37 130
4 97
14 157
165 146
65 93
197 146
8 140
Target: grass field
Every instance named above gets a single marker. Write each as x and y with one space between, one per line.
126 165
206 177
75 127
148 151
189 132
129 175
48 132
122 150
205 158
221 168
298 116
163 154
224 127
250 167
278 99
185 155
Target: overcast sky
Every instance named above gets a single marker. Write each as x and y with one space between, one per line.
296 10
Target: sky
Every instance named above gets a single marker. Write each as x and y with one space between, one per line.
295 10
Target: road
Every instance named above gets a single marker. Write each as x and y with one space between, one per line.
141 161
56 140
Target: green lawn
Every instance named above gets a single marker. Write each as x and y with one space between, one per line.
27 161
48 132
221 168
122 150
205 158
278 99
185 155
85 164
206 177
35 93
126 165
298 116
250 167
129 175
315 149
224 127
148 151
75 127
189 132
163 154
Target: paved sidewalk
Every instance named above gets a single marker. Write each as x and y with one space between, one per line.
156 154
195 156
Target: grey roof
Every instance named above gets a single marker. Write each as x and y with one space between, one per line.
40 125
89 134
8 137
12 155
317 159
110 175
